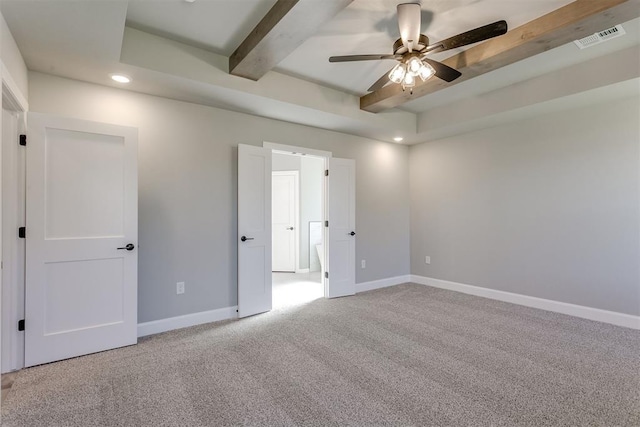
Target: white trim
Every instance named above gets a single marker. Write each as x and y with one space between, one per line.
11 92
290 149
12 277
12 247
193 319
382 283
599 315
302 270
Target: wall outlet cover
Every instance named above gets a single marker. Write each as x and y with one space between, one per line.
180 288
427 260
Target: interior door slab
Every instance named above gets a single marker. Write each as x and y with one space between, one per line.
254 230
81 210
342 225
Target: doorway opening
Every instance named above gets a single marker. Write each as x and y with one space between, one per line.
255 281
298 236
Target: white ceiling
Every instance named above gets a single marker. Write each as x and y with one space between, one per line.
84 40
215 25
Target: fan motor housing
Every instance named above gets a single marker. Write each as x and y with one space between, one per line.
400 49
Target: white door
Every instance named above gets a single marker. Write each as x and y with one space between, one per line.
284 212
254 230
341 264
82 210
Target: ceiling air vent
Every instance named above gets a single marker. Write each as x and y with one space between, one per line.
600 37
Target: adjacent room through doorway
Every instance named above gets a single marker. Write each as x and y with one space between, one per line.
297 231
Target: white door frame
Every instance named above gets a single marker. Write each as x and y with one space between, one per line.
325 156
12 277
296 220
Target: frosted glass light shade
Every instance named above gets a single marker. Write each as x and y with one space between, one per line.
398 73
413 65
409 80
426 71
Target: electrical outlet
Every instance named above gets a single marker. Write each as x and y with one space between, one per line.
363 263
427 260
180 288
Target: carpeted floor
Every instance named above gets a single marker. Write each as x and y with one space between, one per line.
404 355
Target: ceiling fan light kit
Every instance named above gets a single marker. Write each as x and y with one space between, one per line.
397 73
426 71
413 65
409 81
411 50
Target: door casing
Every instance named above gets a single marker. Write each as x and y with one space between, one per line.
13 200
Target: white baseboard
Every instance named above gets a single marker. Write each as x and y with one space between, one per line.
612 317
382 283
178 322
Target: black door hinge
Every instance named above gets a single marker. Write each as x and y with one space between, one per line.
326 172
326 274
326 223
22 232
23 140
21 325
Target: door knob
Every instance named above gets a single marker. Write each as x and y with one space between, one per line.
289 228
245 238
353 233
129 247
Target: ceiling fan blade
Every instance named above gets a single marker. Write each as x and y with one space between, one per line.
409 24
443 72
380 83
473 36
348 58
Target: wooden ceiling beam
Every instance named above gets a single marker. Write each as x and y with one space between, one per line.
283 29
571 22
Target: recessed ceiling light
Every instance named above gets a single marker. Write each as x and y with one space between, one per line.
120 78
189 1
398 139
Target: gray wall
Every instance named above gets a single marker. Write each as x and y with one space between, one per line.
188 186
547 207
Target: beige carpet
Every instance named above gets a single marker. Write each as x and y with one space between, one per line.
405 355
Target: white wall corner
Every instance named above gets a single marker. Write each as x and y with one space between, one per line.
13 65
382 283
193 319
599 315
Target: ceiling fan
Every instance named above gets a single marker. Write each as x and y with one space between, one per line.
411 50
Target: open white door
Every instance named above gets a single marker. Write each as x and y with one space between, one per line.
254 230
341 264
81 232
